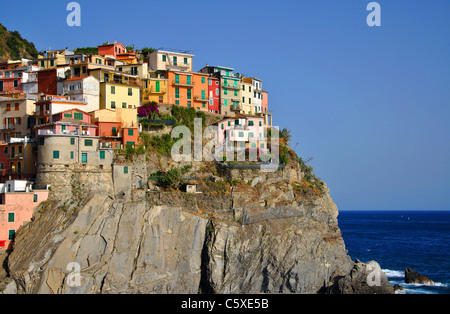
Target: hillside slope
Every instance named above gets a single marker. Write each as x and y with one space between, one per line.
14 47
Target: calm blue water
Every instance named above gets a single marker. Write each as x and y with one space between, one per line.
402 239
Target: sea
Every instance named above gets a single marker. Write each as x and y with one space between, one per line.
419 240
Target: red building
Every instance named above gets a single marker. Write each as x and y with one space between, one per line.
11 81
214 94
111 49
47 82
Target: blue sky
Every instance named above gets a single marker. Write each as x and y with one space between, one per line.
371 105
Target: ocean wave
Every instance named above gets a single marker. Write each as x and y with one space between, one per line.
394 273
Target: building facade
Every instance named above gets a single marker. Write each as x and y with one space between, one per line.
170 59
17 203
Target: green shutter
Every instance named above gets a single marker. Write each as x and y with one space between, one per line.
113 90
11 234
71 155
125 169
177 79
203 94
157 86
189 94
250 122
188 80
35 198
78 116
56 154
68 115
177 92
102 154
88 143
11 217
72 141
130 132
84 158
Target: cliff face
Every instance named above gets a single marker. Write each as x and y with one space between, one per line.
265 235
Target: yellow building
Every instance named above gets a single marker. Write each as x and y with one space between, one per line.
154 89
53 58
117 89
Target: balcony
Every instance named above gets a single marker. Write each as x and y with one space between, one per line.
231 86
64 133
160 91
236 108
133 82
200 99
7 128
187 84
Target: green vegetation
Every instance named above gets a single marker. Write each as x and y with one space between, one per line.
14 47
163 145
186 116
87 50
172 178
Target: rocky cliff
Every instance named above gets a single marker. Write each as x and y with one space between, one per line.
260 233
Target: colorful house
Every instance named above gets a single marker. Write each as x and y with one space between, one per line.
17 116
117 89
154 89
230 87
50 105
214 94
53 58
21 159
11 80
86 89
170 60
116 128
242 131
17 203
188 89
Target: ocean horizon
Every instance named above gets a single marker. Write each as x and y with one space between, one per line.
399 239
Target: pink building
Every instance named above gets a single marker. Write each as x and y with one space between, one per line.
69 122
242 131
17 203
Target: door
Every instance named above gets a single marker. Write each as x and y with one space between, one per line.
84 158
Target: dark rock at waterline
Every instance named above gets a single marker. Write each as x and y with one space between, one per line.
398 287
412 276
364 278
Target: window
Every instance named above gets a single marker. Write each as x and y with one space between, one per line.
16 83
84 158
225 91
11 234
102 154
11 217
68 115
63 127
188 80
221 126
78 116
88 143
52 63
185 60
225 102
177 102
260 123
56 154
158 86
177 79
124 105
84 69
229 123
241 134
125 169
41 141
130 143
164 59
250 122
42 64
217 92
235 93
177 92
189 94
251 135
189 104
175 61
114 131
203 94
130 92
130 132
113 90
243 100
71 155
113 104
8 106
203 80
35 198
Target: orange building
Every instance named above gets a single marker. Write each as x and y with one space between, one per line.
188 89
